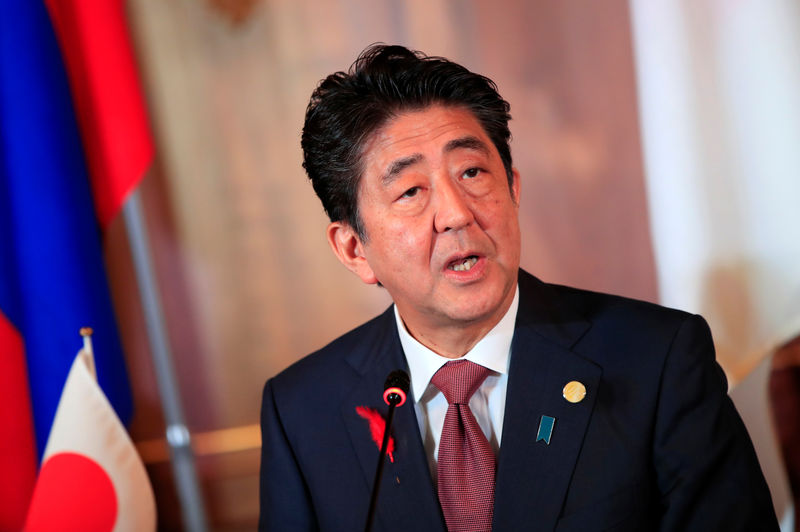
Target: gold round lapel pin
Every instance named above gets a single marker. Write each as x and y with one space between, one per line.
574 391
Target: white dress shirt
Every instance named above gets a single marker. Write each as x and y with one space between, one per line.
493 351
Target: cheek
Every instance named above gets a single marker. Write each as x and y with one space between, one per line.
497 213
405 247
409 241
501 223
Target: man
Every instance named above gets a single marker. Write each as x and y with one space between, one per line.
535 407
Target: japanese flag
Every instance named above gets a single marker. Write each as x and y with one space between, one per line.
91 478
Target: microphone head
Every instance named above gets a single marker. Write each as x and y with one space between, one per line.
396 388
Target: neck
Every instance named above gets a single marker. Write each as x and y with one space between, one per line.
454 339
449 343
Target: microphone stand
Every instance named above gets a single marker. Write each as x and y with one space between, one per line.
393 400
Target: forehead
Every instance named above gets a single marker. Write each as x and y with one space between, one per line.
424 132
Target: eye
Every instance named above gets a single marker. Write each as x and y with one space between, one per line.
410 193
471 173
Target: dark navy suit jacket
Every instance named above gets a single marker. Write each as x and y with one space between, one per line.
655 445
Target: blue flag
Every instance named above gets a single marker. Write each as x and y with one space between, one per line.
52 276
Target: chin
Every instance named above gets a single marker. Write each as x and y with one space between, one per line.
470 313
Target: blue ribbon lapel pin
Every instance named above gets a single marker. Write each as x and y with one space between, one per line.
545 429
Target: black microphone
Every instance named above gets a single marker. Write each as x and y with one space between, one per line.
396 387
395 390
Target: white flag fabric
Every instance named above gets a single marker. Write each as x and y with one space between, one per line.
92 478
719 100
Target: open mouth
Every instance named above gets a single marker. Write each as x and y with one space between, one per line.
463 265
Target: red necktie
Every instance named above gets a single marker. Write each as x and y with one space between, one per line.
466 461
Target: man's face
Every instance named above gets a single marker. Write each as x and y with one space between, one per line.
442 229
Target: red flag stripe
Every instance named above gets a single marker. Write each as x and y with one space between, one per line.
111 112
17 447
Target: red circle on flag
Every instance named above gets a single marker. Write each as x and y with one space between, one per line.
72 493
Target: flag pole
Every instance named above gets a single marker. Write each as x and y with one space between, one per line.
177 434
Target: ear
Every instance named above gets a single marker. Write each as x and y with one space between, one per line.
515 184
349 249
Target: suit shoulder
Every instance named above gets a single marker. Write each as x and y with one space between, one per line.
633 333
596 306
330 362
613 323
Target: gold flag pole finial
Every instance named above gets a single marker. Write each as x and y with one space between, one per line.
86 332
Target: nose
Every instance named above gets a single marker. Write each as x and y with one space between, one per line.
453 210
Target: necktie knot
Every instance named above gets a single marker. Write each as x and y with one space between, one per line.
459 379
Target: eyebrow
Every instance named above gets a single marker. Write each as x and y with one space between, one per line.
397 166
468 142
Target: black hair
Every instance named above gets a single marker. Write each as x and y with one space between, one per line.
346 109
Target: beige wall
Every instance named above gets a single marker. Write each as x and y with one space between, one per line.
247 277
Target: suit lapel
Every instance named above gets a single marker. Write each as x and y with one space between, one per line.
407 500
533 477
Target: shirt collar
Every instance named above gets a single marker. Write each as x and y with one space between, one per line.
492 351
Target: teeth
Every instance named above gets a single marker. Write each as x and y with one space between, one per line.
465 265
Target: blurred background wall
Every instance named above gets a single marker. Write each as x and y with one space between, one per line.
248 282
